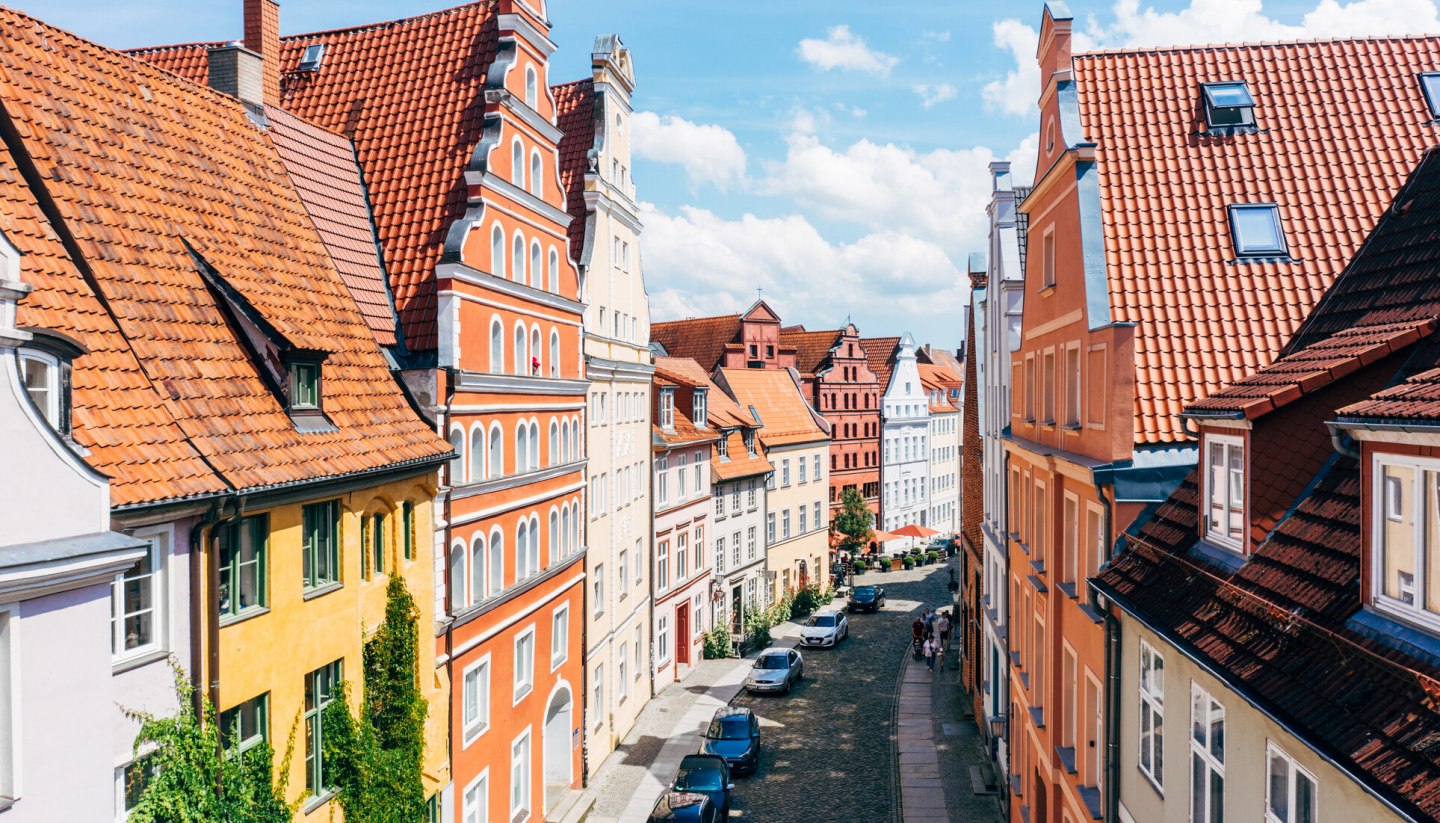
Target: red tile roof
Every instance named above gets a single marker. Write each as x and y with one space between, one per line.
812 348
702 339
575 116
322 166
722 413
408 93
1204 321
880 352
203 188
785 417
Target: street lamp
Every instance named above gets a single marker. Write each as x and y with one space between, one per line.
999 724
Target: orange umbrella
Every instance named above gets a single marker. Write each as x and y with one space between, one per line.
881 537
914 530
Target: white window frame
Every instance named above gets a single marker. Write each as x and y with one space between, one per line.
523 687
1153 702
520 812
1221 536
559 630
1293 771
473 730
160 541
10 714
662 635
479 812
1203 750
1415 611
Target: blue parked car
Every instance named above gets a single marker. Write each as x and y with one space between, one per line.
706 774
734 734
689 807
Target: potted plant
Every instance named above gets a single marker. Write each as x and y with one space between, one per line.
859 566
909 563
931 557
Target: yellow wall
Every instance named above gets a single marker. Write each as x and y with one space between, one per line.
273 651
812 545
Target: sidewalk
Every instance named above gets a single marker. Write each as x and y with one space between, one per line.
937 743
628 783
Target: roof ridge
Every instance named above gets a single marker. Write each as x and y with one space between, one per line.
384 24
582 81
1259 44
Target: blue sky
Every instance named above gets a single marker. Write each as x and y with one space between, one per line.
831 152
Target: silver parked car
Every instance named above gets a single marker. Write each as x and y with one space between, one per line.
776 670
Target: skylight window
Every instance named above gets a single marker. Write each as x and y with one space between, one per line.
1256 230
1228 105
1430 83
310 60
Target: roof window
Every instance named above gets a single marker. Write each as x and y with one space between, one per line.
1228 105
304 386
1430 84
310 60
1256 230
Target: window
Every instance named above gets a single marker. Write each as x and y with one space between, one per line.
559 637
801 513
47 382
134 604
1047 380
1225 490
662 566
638 647
785 524
662 638
1290 791
749 543
623 661
815 469
682 541
1029 388
1256 230
667 409
554 271
304 386
1228 104
1047 257
1070 532
376 548
495 574
598 710
735 548
1072 387
242 565
475 705
1041 537
598 590
477 800
819 523
1406 576
520 789
1430 84
407 529
321 560
1207 757
497 349
246 725
320 688
1095 540
1152 714
722 446
497 259
554 343
310 60
785 473
537 188
720 554
524 663
803 478
518 354
517 170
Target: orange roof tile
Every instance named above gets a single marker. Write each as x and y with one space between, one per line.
575 116
1164 191
812 348
702 339
880 352
407 93
155 179
785 417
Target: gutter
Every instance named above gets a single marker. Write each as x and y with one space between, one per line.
1338 438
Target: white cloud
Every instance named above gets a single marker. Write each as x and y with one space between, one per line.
932 96
1214 21
708 153
1017 93
842 49
935 37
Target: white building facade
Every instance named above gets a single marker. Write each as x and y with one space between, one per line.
942 393
739 510
905 435
620 536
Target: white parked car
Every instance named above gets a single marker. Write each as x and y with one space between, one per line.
824 629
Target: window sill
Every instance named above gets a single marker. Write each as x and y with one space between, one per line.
1150 781
1225 558
126 664
1070 427
522 694
317 801
321 591
1248 259
1067 758
471 737
1037 714
1047 290
1040 587
555 664
1037 566
1069 590
253 611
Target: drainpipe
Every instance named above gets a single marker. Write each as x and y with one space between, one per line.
450 374
1337 441
197 648
212 597
1111 797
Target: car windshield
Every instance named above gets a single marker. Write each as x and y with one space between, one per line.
826 620
730 728
865 591
771 661
698 780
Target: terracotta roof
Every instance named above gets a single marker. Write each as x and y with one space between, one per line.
785 417
575 116
702 339
1278 630
323 167
812 348
934 377
880 351
1205 321
203 190
685 431
408 93
722 413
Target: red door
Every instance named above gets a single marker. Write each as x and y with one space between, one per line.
682 634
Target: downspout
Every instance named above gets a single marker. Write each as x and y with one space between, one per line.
212 597
197 647
1337 441
1111 797
450 379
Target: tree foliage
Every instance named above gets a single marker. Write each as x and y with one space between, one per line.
375 760
193 781
854 521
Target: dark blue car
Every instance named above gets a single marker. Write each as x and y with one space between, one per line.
690 807
734 734
706 774
866 599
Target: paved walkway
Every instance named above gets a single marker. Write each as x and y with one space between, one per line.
631 779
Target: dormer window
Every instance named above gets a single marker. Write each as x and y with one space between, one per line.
1430 84
1228 105
667 409
750 441
304 386
723 445
1224 480
1406 533
45 372
699 403
310 60
1256 230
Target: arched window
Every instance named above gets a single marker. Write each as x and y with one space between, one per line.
554 271
517 163
495 460
457 463
536 272
575 442
497 346
537 181
496 572
457 576
534 445
554 449
521 367
534 544
554 535
532 93
535 350
565 544
575 537
517 258
497 251
522 553
565 441
477 569
477 452
554 353
522 447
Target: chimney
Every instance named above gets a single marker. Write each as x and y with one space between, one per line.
262 36
979 270
236 71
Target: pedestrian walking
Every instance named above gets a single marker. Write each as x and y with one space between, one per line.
942 628
930 645
929 621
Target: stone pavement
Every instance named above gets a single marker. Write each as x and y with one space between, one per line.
936 745
628 783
